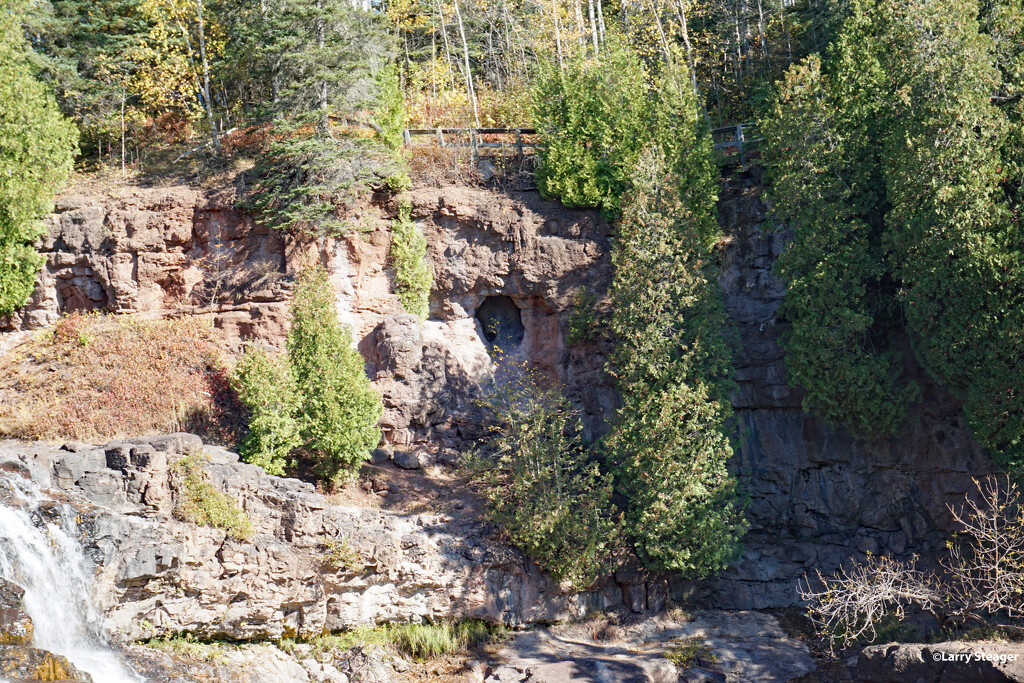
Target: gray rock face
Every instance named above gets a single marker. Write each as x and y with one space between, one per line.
941 663
735 647
818 496
158 575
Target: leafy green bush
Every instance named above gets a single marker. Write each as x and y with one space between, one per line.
265 386
595 118
414 274
340 409
583 321
540 486
37 148
900 174
200 503
674 367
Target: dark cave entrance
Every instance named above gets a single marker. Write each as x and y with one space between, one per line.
502 322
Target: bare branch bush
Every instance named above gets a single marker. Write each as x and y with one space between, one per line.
986 557
851 603
981 580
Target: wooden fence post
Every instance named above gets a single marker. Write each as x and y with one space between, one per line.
739 140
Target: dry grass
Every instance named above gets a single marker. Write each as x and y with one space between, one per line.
95 378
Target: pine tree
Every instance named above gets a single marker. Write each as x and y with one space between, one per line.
673 367
37 148
339 409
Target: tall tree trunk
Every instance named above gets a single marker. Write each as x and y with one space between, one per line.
206 75
558 34
447 45
469 74
600 19
765 57
321 41
593 26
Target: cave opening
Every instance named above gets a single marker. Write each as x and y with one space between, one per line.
502 322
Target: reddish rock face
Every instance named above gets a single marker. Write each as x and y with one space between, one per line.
817 495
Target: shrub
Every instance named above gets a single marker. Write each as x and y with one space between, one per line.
673 363
200 503
340 409
982 581
540 486
414 274
265 386
338 553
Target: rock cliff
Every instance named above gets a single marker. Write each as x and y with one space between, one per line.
817 495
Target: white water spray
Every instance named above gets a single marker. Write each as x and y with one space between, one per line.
47 561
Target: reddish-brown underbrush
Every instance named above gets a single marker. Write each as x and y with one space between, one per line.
96 377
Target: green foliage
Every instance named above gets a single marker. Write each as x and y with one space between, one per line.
421 641
37 147
340 409
265 386
895 164
595 118
430 641
821 157
540 485
339 553
673 366
306 183
955 221
390 110
689 653
583 321
592 118
414 274
200 503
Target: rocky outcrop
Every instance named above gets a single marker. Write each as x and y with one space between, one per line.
941 663
159 575
512 260
819 496
158 251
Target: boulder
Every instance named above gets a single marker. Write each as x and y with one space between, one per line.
29 663
951 662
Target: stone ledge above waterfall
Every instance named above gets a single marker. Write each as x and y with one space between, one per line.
158 575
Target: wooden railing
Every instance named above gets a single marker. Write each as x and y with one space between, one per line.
736 139
456 135
731 140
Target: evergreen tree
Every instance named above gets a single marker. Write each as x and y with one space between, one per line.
900 165
322 58
37 147
339 409
673 364
597 115
822 145
266 388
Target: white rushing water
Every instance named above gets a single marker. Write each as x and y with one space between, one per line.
47 561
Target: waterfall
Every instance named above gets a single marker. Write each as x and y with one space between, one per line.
45 559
